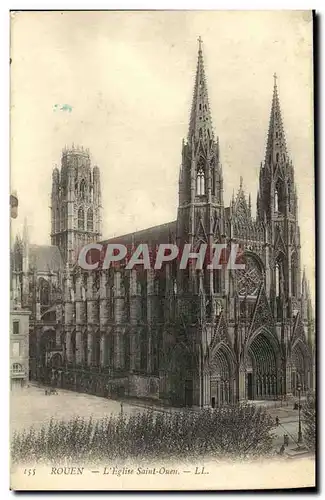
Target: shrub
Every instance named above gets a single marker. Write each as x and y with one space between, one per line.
232 431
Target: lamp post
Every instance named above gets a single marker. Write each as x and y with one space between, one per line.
299 419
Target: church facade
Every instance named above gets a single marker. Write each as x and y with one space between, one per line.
186 337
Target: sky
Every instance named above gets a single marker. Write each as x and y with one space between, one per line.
128 78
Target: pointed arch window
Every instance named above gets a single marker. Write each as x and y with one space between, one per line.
279 287
82 189
277 280
217 281
81 219
294 272
44 292
276 201
213 180
280 267
277 157
200 182
90 220
279 197
289 196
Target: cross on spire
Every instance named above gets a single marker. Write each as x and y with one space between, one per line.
275 79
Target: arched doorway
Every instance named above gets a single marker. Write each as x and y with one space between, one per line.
299 368
221 377
180 377
262 367
56 361
55 366
47 343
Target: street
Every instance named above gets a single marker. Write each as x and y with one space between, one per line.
30 407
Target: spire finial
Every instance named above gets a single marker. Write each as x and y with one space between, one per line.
275 79
241 182
200 43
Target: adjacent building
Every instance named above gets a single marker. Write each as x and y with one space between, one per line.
19 348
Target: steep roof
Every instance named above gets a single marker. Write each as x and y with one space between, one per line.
45 258
164 233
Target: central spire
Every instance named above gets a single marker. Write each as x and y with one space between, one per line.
200 120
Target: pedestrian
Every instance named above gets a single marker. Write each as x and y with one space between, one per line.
277 421
121 408
286 440
281 452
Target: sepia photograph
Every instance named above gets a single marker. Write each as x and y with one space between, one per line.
162 250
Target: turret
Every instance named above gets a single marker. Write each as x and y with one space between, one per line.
76 203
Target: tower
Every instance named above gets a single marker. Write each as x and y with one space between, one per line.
289 298
76 203
277 204
200 209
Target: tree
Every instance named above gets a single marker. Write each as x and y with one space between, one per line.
309 421
234 431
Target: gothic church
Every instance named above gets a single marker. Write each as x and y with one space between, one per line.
184 337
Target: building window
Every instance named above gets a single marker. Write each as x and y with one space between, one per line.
44 292
81 219
213 180
294 272
15 327
279 197
277 280
127 351
276 201
90 220
200 182
143 351
17 368
15 349
82 189
143 286
217 280
277 157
